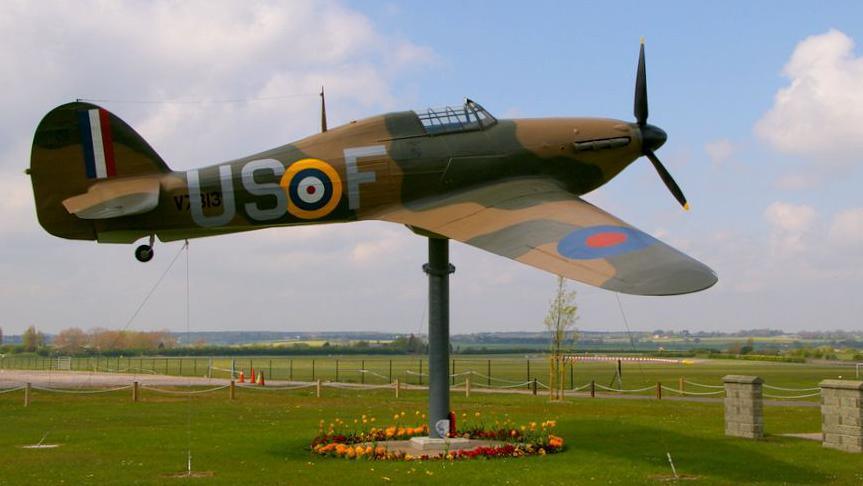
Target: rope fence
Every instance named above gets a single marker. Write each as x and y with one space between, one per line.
482 384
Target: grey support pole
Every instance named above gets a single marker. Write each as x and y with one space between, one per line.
438 269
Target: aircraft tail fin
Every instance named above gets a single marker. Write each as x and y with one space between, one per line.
78 146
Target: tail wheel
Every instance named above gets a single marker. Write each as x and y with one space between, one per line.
144 253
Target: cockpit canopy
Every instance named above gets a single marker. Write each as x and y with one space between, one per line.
468 117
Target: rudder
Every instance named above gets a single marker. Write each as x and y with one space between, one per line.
77 145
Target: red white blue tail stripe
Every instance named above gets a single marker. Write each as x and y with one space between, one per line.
97 143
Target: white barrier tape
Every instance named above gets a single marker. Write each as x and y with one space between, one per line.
176 392
701 385
371 373
80 392
128 370
623 358
10 390
791 389
792 397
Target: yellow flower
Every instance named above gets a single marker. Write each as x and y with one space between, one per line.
372 419
396 417
476 414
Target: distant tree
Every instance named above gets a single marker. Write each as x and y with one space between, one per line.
559 321
71 341
32 339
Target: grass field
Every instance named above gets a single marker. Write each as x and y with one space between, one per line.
262 437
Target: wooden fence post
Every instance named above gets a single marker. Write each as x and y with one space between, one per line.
318 388
528 374
134 391
534 386
232 390
681 386
27 395
658 390
592 388
467 387
398 386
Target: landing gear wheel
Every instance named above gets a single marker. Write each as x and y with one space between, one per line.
144 253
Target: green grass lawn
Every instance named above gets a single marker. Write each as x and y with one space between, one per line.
262 437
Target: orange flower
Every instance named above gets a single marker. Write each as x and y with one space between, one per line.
555 441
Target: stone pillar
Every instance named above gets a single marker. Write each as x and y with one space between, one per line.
842 414
744 406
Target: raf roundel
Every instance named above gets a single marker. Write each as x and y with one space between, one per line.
314 188
602 242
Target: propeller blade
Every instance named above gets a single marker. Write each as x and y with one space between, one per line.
640 108
667 179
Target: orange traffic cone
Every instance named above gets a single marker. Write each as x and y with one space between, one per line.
242 377
252 376
261 378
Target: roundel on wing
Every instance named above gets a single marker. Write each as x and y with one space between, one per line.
602 242
314 188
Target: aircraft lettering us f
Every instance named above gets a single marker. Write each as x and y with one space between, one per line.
510 187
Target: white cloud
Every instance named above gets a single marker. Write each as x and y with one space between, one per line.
819 115
720 151
790 224
846 230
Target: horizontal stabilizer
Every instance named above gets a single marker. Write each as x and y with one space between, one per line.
115 198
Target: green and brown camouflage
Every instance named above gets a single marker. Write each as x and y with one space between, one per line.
510 187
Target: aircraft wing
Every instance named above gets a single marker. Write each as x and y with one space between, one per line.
537 222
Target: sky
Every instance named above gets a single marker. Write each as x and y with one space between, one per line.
762 101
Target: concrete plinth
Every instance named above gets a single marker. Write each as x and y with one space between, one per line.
433 443
744 406
842 414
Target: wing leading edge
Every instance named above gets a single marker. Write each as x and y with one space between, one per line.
536 222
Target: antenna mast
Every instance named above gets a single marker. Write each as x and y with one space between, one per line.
323 112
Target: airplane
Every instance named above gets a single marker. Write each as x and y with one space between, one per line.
510 187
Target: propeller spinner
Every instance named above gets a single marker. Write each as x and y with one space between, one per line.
652 137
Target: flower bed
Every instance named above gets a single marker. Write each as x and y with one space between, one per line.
362 439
